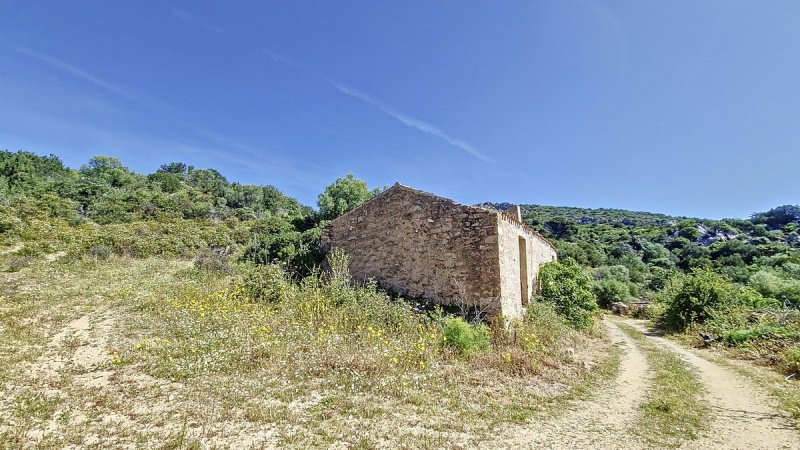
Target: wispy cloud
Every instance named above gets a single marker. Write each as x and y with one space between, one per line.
409 121
189 18
134 96
286 61
251 154
70 69
405 119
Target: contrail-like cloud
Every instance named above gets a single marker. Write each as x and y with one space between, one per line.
405 119
188 18
132 95
148 102
413 122
70 69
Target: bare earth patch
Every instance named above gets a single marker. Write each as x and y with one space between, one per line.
600 422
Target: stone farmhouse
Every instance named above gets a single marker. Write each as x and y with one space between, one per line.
424 246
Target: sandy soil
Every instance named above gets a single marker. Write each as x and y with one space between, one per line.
603 422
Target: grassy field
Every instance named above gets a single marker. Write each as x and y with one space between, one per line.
156 353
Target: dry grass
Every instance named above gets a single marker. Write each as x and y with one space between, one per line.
154 353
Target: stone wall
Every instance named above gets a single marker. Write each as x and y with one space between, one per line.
424 246
421 245
513 237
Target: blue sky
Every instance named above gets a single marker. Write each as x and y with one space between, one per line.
681 107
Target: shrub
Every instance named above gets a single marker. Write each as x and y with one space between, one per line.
213 260
523 347
791 360
570 290
465 337
100 252
703 294
18 264
610 291
771 284
8 222
266 284
553 331
742 335
276 240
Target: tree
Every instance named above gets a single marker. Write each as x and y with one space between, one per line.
208 180
561 228
778 217
342 196
27 172
688 229
173 167
276 240
108 169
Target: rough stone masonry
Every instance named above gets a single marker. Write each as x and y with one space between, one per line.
421 245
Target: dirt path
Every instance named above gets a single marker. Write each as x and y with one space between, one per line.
741 414
603 422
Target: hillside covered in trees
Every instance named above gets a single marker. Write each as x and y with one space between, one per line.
103 207
735 282
636 252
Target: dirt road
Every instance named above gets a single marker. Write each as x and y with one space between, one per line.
601 423
742 416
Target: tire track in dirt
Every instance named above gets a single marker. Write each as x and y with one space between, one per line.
741 414
602 422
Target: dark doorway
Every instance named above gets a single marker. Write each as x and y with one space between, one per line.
523 270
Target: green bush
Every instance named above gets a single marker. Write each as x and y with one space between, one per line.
610 291
773 284
276 240
9 223
465 337
100 252
570 290
266 284
702 295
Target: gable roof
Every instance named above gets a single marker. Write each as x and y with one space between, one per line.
398 186
503 215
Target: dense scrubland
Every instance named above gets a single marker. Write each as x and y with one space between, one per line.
211 294
736 281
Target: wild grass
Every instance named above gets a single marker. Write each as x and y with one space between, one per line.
673 412
211 358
